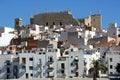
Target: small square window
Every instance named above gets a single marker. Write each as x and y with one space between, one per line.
62 71
111 66
30 59
27 76
62 65
110 59
72 71
31 75
43 52
23 60
118 35
30 67
72 64
23 67
66 53
111 72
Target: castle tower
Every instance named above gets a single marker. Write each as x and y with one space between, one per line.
18 24
94 21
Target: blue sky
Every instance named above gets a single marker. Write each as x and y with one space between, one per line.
11 9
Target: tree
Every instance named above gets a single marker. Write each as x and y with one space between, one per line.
118 68
97 66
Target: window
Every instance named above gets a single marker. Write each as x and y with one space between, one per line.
53 23
76 74
23 60
40 53
46 23
31 75
30 59
8 76
27 75
111 66
62 65
110 59
62 71
30 67
66 53
8 70
71 50
76 64
72 64
111 72
7 62
17 23
16 53
60 23
50 59
41 49
24 68
43 52
118 35
49 50
103 56
104 53
72 71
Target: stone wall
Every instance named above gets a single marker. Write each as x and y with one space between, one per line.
54 18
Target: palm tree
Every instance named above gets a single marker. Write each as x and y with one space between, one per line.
96 68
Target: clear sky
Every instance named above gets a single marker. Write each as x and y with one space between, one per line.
11 9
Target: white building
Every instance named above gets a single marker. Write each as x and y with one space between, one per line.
5 36
52 55
62 67
50 64
89 56
31 65
8 67
75 63
112 61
